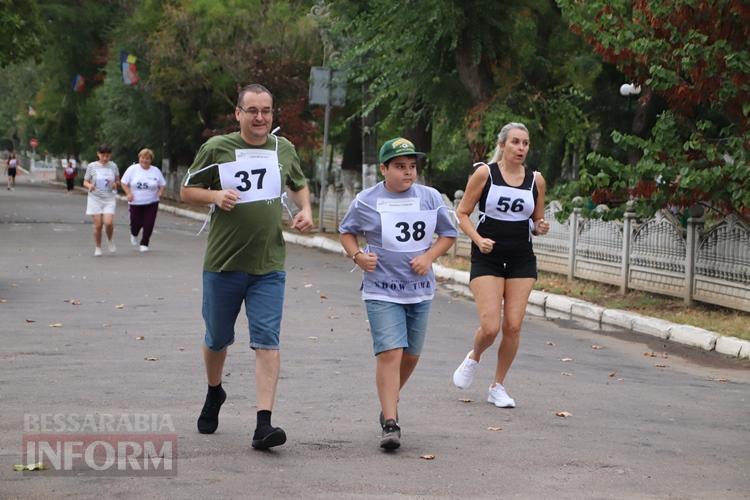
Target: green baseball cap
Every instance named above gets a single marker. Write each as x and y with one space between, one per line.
397 147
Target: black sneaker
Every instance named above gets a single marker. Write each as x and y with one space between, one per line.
274 437
391 435
209 419
382 419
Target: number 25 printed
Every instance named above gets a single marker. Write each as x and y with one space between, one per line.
244 177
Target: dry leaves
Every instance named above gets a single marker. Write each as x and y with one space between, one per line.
323 297
466 400
30 321
566 374
551 344
73 302
596 347
3 301
564 414
491 428
55 325
652 354
140 337
427 457
120 306
314 339
151 358
611 375
22 467
565 360
308 285
660 365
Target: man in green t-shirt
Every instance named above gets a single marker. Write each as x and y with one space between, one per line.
243 174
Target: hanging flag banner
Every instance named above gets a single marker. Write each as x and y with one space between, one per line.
79 83
129 72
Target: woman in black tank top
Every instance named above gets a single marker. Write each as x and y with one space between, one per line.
503 266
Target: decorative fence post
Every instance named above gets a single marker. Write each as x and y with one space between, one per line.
457 197
573 239
627 238
694 226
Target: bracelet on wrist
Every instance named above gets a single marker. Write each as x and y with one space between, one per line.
354 255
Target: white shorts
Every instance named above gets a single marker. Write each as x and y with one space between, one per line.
96 206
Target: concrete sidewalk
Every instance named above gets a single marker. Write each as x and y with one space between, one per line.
121 335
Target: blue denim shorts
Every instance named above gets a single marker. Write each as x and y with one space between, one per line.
223 294
395 326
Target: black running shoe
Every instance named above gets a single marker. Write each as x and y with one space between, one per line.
209 419
391 435
274 436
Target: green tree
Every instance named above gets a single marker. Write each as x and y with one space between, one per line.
694 54
21 31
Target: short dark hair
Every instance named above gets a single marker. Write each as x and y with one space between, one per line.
104 148
255 88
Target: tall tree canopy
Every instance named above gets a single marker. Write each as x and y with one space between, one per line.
695 55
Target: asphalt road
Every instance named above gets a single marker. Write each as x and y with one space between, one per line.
672 426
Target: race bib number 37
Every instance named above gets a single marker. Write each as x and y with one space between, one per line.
254 180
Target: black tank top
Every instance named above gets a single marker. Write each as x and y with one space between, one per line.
511 231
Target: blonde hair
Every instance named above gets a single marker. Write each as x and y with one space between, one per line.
497 154
146 152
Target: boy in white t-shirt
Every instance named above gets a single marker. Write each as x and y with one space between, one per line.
398 219
143 184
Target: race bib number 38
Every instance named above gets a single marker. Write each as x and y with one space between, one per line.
408 231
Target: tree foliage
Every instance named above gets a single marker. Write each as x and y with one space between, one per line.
695 55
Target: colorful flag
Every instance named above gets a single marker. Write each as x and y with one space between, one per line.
79 83
129 72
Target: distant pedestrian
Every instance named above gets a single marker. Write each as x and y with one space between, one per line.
503 265
143 184
69 171
101 180
397 218
12 170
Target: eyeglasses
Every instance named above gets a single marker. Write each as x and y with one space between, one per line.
255 111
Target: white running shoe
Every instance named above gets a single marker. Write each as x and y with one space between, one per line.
97 252
464 374
499 397
111 246
133 240
143 248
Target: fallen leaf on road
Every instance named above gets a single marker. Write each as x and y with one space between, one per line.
55 325
466 400
612 374
660 365
21 467
308 285
181 348
105 325
120 306
712 379
323 296
597 347
490 428
140 337
427 457
312 338
551 344
564 414
333 317
151 358
227 374
565 360
650 354
3 301
75 302
566 374
30 321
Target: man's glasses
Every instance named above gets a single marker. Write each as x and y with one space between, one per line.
255 111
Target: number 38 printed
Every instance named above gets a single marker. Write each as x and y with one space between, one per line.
418 231
244 177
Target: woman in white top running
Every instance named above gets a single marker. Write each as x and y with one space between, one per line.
101 179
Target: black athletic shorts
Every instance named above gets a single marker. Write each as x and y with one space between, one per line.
503 263
11 172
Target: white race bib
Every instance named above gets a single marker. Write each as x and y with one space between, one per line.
408 231
103 182
398 205
255 175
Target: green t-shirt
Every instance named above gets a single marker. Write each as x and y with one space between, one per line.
249 237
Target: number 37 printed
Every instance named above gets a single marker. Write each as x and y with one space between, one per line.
244 178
